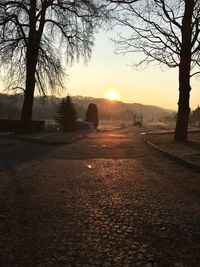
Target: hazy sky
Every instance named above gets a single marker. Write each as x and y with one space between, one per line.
108 71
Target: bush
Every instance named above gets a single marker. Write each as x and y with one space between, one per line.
66 114
92 114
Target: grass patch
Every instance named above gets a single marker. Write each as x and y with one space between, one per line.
52 138
189 151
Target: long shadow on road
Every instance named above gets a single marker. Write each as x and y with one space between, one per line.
14 152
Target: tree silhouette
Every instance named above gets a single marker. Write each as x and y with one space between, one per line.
66 114
167 32
32 33
92 115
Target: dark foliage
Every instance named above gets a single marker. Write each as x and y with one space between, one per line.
92 114
66 114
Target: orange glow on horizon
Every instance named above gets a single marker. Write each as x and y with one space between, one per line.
112 94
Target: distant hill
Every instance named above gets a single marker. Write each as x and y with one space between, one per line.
118 110
45 108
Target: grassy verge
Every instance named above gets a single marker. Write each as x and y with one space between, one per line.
52 138
188 152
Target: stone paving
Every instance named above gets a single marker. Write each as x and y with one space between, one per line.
109 200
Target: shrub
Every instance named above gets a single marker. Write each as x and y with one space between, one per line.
92 114
66 114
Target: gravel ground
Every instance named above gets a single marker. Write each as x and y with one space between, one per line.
108 200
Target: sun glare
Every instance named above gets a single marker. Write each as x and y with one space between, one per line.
112 95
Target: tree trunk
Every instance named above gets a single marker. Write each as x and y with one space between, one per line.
183 110
31 63
184 74
27 108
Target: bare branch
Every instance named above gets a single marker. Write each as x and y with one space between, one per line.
154 28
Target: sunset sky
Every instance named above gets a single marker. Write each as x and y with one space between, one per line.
107 71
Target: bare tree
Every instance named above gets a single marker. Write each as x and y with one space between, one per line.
32 35
167 31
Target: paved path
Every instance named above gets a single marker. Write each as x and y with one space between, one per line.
108 200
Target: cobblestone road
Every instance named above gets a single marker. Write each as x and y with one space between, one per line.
108 200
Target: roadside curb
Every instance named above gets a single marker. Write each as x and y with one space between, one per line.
180 160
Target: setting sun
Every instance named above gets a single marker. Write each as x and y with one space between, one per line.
112 95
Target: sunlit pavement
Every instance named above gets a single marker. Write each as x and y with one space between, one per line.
107 200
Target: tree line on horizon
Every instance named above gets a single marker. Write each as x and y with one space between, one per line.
35 35
45 108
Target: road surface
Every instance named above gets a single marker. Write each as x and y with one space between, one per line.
107 200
